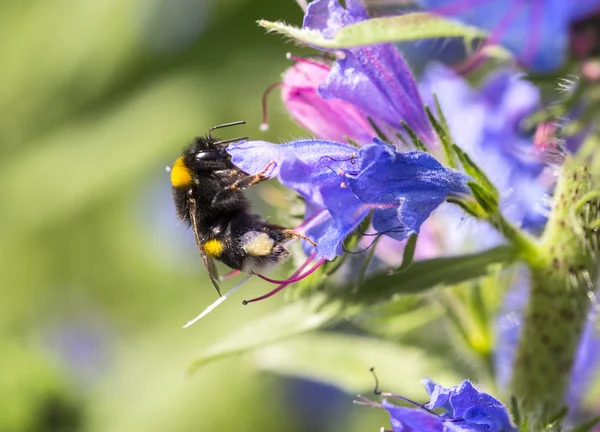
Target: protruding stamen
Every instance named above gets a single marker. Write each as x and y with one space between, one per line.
231 274
265 116
292 279
292 57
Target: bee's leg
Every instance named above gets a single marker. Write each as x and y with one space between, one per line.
289 234
245 182
251 180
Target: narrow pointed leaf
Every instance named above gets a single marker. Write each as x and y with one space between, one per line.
294 319
407 27
422 276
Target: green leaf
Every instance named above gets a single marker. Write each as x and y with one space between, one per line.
407 27
425 275
344 361
294 319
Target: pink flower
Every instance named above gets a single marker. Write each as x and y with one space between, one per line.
331 119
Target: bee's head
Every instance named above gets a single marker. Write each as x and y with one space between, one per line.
207 154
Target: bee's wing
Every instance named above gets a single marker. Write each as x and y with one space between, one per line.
209 263
210 266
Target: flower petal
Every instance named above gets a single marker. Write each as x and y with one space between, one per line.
413 420
373 78
326 119
480 411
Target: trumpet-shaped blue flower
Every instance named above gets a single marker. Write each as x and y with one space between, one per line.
345 184
536 31
373 78
466 409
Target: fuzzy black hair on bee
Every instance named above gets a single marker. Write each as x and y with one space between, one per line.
208 195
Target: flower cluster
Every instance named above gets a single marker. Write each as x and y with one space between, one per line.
390 148
464 409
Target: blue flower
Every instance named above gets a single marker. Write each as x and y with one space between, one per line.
536 31
344 184
487 123
465 409
373 78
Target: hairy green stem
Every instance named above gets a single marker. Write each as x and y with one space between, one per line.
562 279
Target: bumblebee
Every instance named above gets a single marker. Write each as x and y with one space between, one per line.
207 192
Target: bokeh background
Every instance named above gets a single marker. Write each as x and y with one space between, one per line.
97 275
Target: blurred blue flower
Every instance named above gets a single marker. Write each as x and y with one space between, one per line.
465 409
487 123
346 183
373 78
537 32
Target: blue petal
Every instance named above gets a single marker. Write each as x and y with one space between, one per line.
480 411
254 156
328 16
406 187
413 420
377 81
535 31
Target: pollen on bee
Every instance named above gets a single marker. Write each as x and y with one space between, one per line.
180 173
214 248
257 243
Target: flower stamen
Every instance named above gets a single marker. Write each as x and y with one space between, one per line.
264 126
294 278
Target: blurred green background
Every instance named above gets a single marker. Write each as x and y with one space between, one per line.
96 98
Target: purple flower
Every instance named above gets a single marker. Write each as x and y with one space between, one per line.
487 123
373 78
465 409
326 119
536 31
342 184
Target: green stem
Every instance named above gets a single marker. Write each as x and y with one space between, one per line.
558 303
527 247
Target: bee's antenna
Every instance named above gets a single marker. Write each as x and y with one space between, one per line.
224 125
231 140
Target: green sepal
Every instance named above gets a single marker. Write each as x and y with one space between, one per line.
474 171
587 426
445 138
378 130
486 199
419 145
469 206
408 255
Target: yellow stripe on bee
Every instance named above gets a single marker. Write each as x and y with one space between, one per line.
180 173
214 248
